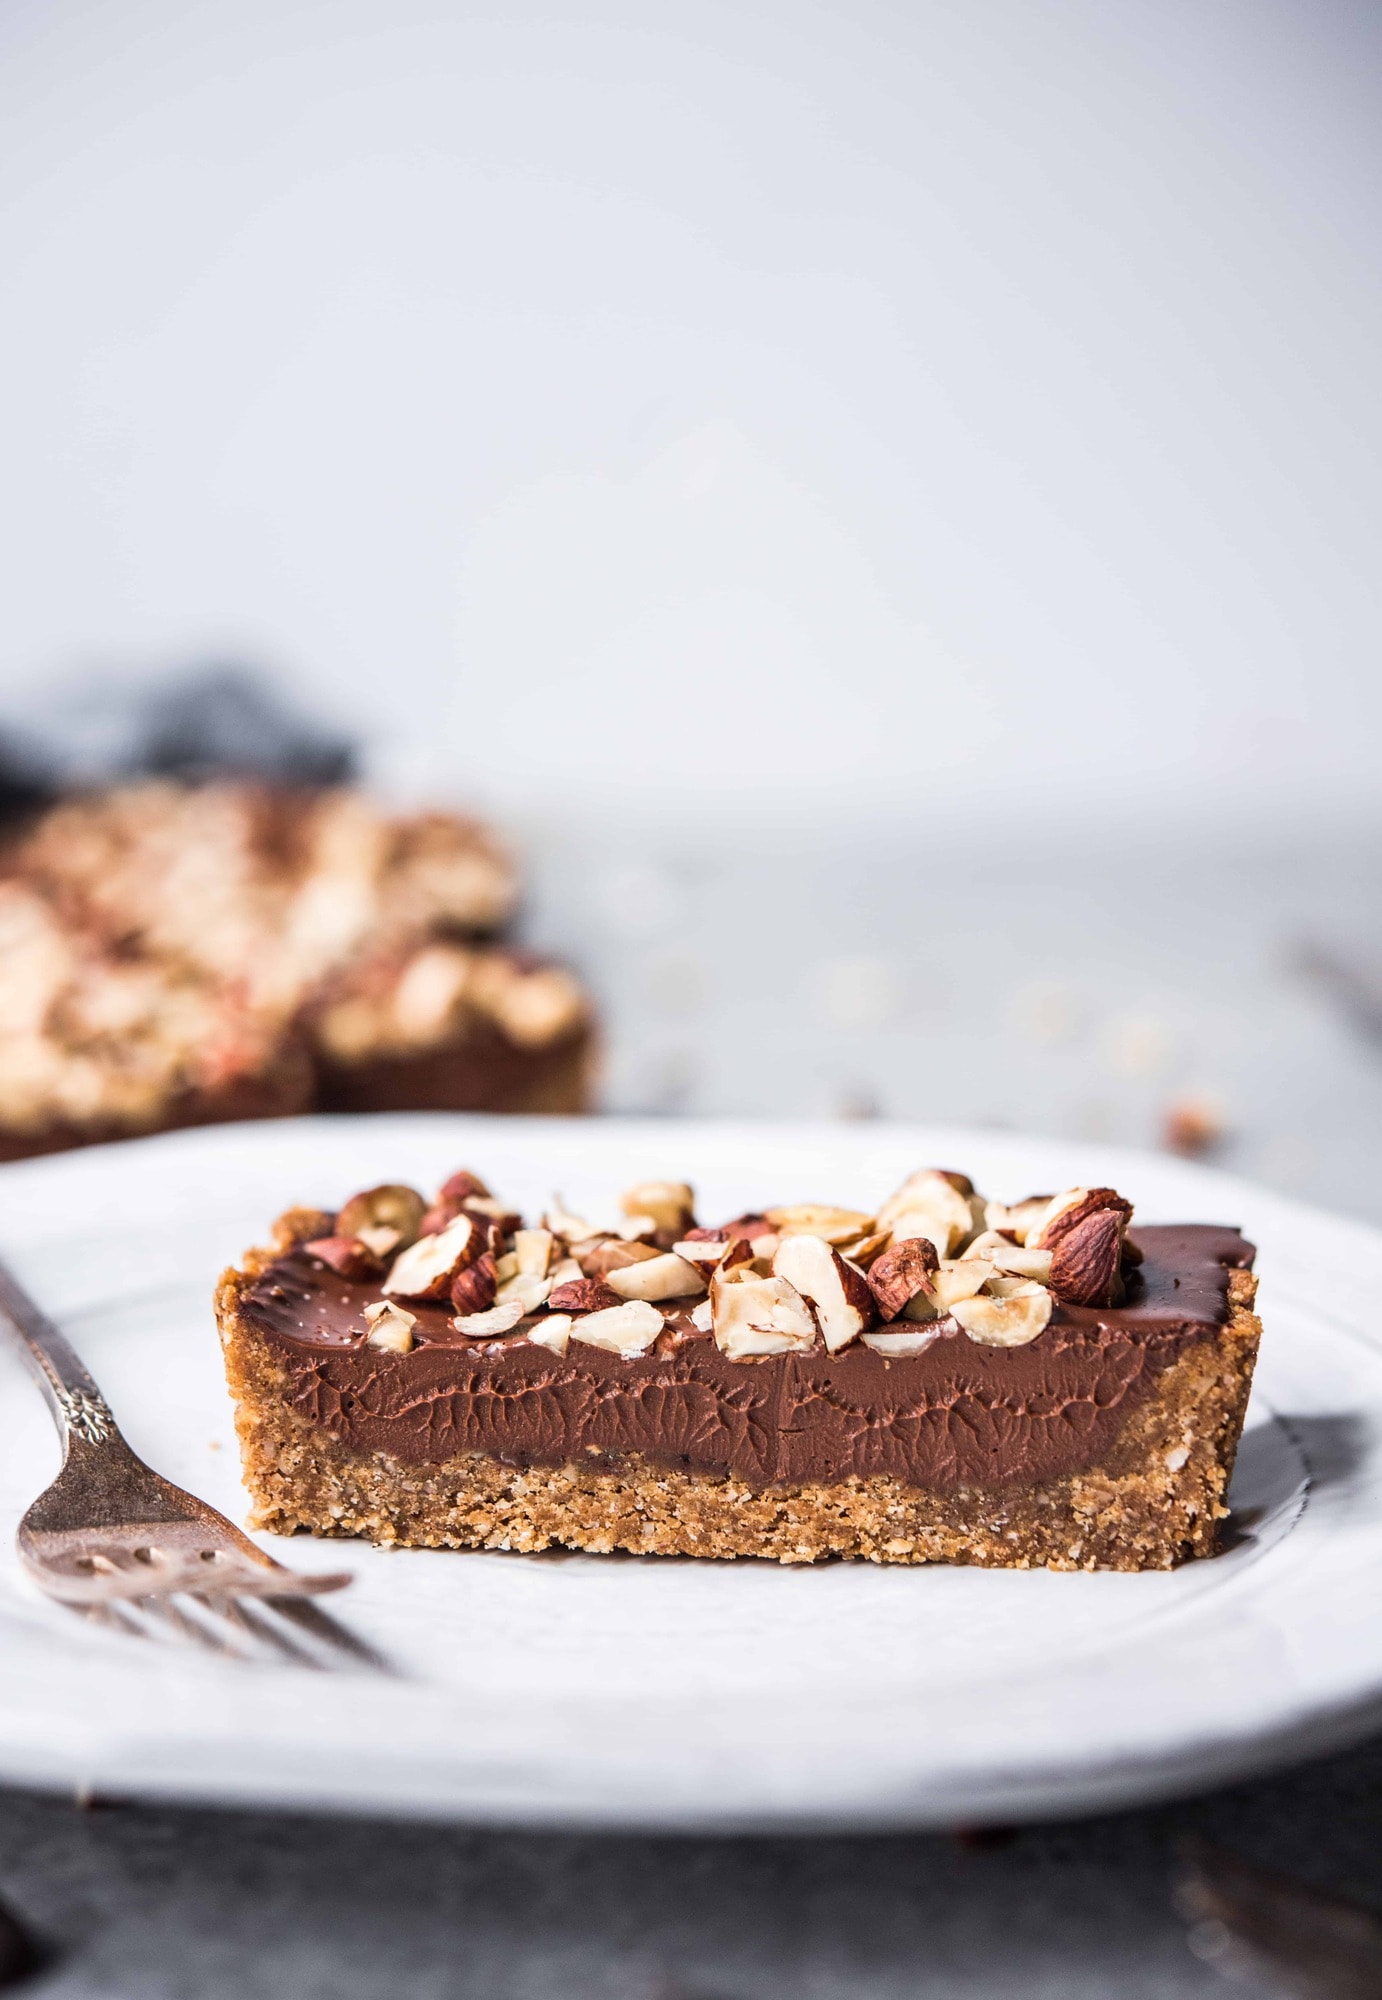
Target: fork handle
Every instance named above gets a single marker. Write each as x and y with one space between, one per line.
80 1411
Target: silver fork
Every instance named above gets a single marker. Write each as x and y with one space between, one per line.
113 1538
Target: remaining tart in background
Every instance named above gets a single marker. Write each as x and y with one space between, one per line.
944 1379
177 954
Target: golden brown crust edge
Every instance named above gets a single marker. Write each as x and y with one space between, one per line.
1156 1502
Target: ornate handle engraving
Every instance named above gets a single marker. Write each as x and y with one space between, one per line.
88 1417
78 1404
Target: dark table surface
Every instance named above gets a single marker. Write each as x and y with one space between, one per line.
146 1901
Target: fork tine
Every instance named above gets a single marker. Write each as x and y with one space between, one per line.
161 1620
107 1612
230 1623
166 1622
132 1617
245 1615
287 1630
210 1634
306 1613
181 1619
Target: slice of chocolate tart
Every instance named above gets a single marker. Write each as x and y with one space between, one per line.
946 1379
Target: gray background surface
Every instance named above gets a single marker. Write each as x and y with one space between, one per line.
597 404
142 1901
1078 976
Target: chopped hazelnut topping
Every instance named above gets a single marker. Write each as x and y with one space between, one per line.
814 1218
346 1255
533 1249
628 1329
390 1327
498 1319
753 1316
532 1292
670 1206
565 1226
668 1277
597 1260
840 1294
473 1289
553 1330
929 1204
903 1273
392 1207
899 1342
942 1262
1010 1322
583 1295
427 1268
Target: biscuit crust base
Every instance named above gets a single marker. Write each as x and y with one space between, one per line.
1157 1500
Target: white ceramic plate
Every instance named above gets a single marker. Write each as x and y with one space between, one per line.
667 1693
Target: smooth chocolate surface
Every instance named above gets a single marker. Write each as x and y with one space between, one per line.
956 1414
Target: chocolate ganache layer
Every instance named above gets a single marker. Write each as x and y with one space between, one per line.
957 1414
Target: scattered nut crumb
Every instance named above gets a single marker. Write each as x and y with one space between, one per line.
1192 1126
